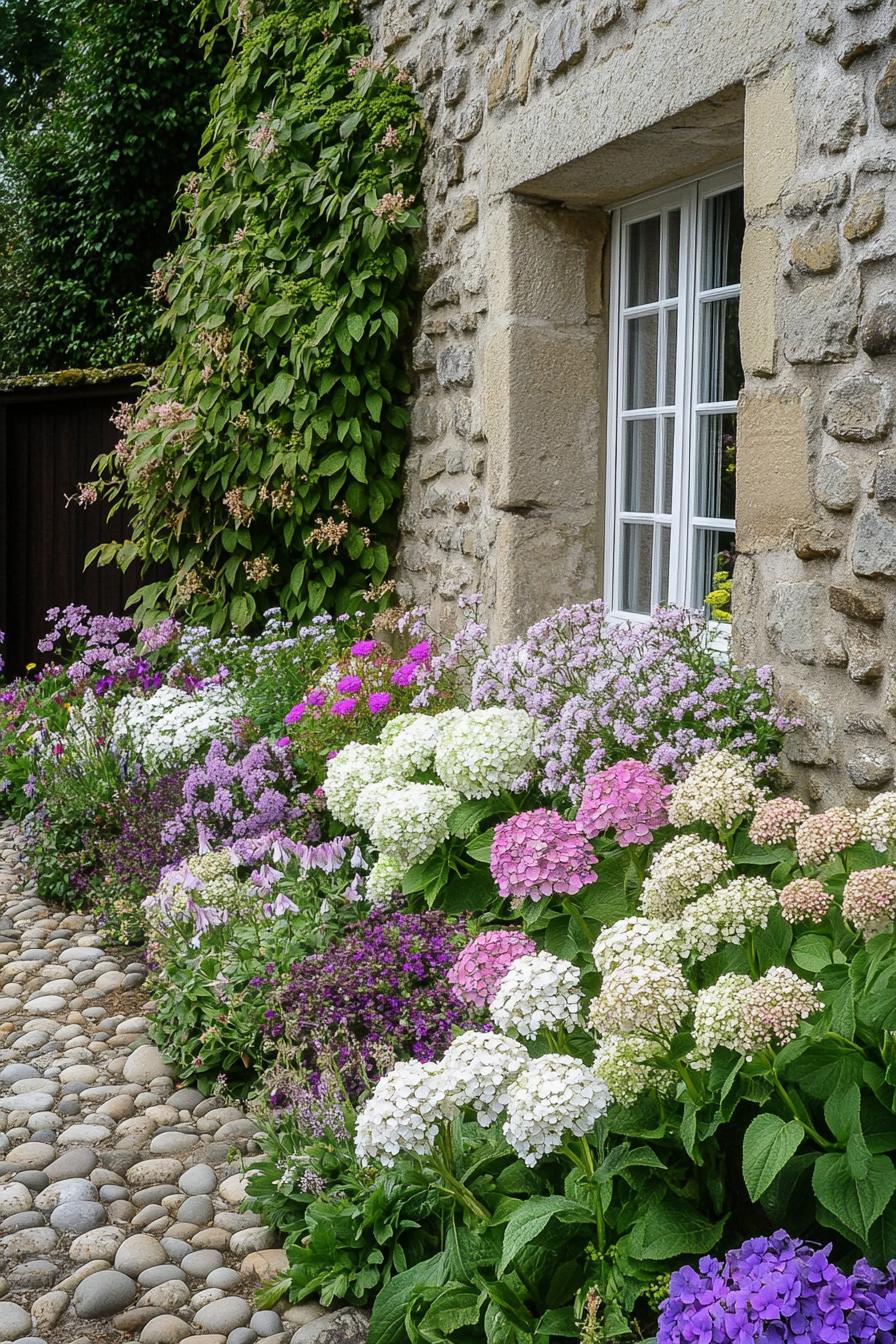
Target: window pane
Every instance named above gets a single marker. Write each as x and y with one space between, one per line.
643 262
713 567
640 466
723 239
716 466
673 247
640 377
671 354
665 541
668 463
637 567
721 372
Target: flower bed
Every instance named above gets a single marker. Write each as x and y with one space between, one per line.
542 995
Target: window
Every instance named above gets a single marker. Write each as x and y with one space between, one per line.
675 375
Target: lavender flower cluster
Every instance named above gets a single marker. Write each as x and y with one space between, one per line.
382 984
782 1291
602 691
105 644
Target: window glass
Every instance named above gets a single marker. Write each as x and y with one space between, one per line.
643 262
723 228
640 383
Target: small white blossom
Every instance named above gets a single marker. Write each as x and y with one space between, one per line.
369 799
483 1064
357 765
404 1112
720 1019
538 991
678 871
878 822
171 727
642 997
481 752
718 789
623 1062
633 939
726 915
412 820
556 1095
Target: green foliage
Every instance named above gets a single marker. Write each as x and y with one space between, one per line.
106 103
262 464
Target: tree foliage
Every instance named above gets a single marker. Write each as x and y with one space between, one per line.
262 463
104 106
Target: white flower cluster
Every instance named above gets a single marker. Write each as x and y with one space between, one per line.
878 822
482 752
556 1095
634 938
646 997
718 789
403 1113
538 991
412 820
484 1064
384 879
748 1015
623 1062
410 746
357 765
726 915
171 727
369 799
677 871
720 1019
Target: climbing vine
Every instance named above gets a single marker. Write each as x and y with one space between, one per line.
261 463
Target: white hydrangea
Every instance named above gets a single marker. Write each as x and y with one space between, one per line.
726 915
645 997
718 789
483 1064
677 872
356 765
623 1062
719 1019
878 821
412 820
633 939
538 991
555 1096
384 879
392 727
411 749
172 727
404 1112
483 751
371 796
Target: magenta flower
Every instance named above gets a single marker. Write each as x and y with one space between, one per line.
629 798
293 715
316 698
349 685
418 653
58 748
362 648
484 962
404 675
282 741
377 702
343 707
537 854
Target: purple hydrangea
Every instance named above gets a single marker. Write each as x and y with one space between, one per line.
779 1290
381 990
537 854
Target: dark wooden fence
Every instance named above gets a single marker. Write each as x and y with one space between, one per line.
49 438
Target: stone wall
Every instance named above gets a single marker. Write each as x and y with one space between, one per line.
542 117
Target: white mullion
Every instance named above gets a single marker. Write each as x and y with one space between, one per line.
679 554
720 292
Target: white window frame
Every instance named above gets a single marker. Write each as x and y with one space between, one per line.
689 197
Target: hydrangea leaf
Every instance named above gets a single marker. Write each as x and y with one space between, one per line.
769 1144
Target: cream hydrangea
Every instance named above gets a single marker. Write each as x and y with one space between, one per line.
555 1096
726 915
481 752
633 939
356 765
623 1062
678 871
368 801
878 822
404 1112
538 992
384 879
412 820
411 749
720 1019
718 789
483 1064
646 997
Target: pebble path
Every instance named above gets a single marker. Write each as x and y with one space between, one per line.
121 1193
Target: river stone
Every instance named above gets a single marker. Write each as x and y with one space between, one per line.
165 1330
146 1064
199 1264
31 1156
15 1321
14 1198
345 1326
224 1315
64 1192
138 1253
100 1244
198 1180
103 1294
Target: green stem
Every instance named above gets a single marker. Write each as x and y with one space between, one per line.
798 1112
464 1197
579 919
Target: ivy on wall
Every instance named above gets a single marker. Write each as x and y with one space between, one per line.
261 464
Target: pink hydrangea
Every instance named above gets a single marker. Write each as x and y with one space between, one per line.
869 899
484 962
776 821
820 837
804 899
537 854
629 798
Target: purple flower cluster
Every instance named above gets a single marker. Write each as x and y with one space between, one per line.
104 644
141 852
628 798
603 691
235 794
782 1291
383 983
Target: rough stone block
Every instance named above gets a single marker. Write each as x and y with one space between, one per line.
563 40
885 476
758 306
455 366
790 624
770 140
858 409
885 96
865 660
545 263
860 606
540 562
817 251
840 116
771 447
820 196
866 214
878 333
836 484
874 546
820 321
870 769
